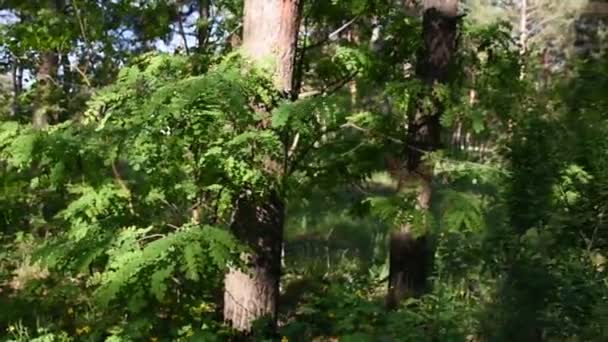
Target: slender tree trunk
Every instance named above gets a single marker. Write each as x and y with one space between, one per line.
270 29
46 87
202 32
17 80
47 80
410 253
523 34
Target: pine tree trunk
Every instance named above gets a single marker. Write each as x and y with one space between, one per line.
270 29
410 254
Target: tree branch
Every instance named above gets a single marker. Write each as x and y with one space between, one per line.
333 34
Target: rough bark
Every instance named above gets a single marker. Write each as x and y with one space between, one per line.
410 255
270 30
252 293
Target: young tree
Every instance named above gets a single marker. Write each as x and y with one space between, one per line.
409 252
270 30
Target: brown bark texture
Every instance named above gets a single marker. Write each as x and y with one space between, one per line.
252 293
410 255
46 78
270 30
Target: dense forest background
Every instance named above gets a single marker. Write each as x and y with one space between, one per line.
303 170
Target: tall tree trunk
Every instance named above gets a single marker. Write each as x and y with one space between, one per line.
46 88
17 82
46 78
202 31
410 254
253 293
523 34
270 29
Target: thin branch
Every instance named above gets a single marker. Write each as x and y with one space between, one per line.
331 89
80 23
85 78
182 32
333 34
414 148
337 86
300 157
170 225
153 236
123 186
365 130
87 43
231 33
294 145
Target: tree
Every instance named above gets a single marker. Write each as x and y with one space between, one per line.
545 24
409 250
203 25
48 66
270 30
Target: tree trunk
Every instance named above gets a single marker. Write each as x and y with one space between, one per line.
46 87
47 83
410 254
270 30
523 35
253 293
202 31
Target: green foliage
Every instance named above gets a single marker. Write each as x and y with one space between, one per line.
114 223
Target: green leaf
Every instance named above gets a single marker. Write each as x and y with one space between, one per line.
158 280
